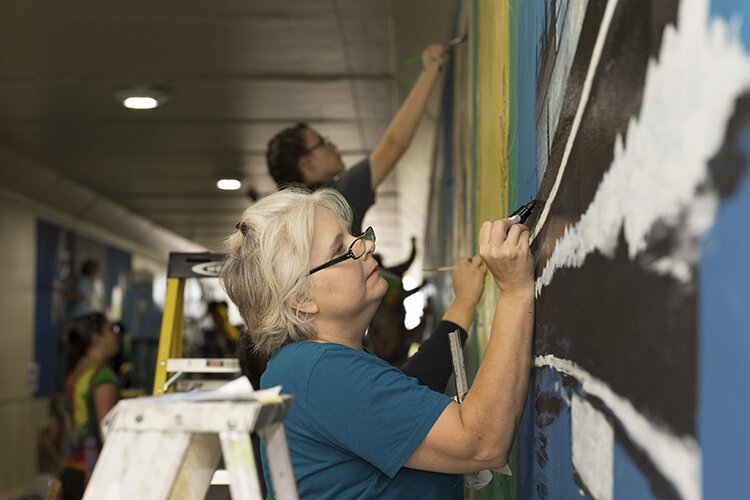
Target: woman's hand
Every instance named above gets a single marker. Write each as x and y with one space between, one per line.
433 57
504 248
468 283
468 280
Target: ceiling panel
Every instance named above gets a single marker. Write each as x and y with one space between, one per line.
189 100
236 72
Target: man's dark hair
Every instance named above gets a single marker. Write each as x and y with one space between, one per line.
283 154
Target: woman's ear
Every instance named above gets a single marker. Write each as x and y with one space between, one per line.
305 305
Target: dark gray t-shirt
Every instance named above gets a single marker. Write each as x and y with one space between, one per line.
356 186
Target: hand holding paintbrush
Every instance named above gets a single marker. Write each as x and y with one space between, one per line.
519 216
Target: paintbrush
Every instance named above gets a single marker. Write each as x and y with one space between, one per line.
450 43
518 217
437 269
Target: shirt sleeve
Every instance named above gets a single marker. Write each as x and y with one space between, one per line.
356 186
432 365
105 376
365 406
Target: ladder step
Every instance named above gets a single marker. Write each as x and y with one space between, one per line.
220 477
203 365
199 384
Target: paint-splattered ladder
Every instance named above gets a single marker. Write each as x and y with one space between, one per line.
160 448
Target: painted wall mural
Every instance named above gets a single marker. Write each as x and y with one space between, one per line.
647 150
630 119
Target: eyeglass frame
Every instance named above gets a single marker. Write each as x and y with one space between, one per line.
324 141
367 235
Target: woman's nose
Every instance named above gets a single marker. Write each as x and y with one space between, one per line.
369 247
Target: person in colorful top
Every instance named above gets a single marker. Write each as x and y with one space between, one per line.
91 390
358 427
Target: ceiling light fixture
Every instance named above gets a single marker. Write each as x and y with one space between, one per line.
228 184
141 96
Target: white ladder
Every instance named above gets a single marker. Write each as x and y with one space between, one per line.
168 449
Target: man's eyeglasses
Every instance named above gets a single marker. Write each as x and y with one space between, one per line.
324 141
356 250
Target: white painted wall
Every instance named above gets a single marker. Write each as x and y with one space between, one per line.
417 23
19 414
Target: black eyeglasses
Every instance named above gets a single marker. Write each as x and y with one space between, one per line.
324 141
356 250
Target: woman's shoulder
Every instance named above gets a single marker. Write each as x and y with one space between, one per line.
306 357
297 352
104 375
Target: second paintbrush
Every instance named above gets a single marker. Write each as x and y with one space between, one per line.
520 215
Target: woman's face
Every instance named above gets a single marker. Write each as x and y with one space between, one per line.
109 340
349 289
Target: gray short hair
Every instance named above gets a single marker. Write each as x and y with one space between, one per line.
267 264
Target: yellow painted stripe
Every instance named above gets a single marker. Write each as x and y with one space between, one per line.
492 126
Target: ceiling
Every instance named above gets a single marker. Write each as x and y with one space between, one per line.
236 72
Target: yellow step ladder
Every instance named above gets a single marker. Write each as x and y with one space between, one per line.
169 358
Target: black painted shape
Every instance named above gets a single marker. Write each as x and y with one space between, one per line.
730 164
633 39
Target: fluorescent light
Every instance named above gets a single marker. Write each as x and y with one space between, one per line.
228 184
140 102
141 96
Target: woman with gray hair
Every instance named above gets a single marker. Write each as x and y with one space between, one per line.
358 427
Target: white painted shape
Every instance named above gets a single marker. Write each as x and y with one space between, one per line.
575 13
678 458
585 93
593 448
688 97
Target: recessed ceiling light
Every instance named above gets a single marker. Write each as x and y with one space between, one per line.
228 184
141 96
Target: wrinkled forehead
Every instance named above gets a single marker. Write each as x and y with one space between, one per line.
328 228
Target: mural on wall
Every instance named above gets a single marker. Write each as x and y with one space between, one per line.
74 275
630 119
647 156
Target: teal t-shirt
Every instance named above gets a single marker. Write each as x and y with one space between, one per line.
353 423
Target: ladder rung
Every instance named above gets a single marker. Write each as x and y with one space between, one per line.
199 384
220 477
203 365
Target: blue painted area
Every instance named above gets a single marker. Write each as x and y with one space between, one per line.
446 190
724 314
530 27
735 9
553 479
724 341
118 265
50 310
629 481
525 437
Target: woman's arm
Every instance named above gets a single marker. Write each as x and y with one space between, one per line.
431 364
478 434
105 396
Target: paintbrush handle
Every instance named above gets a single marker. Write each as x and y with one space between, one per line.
413 60
437 269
